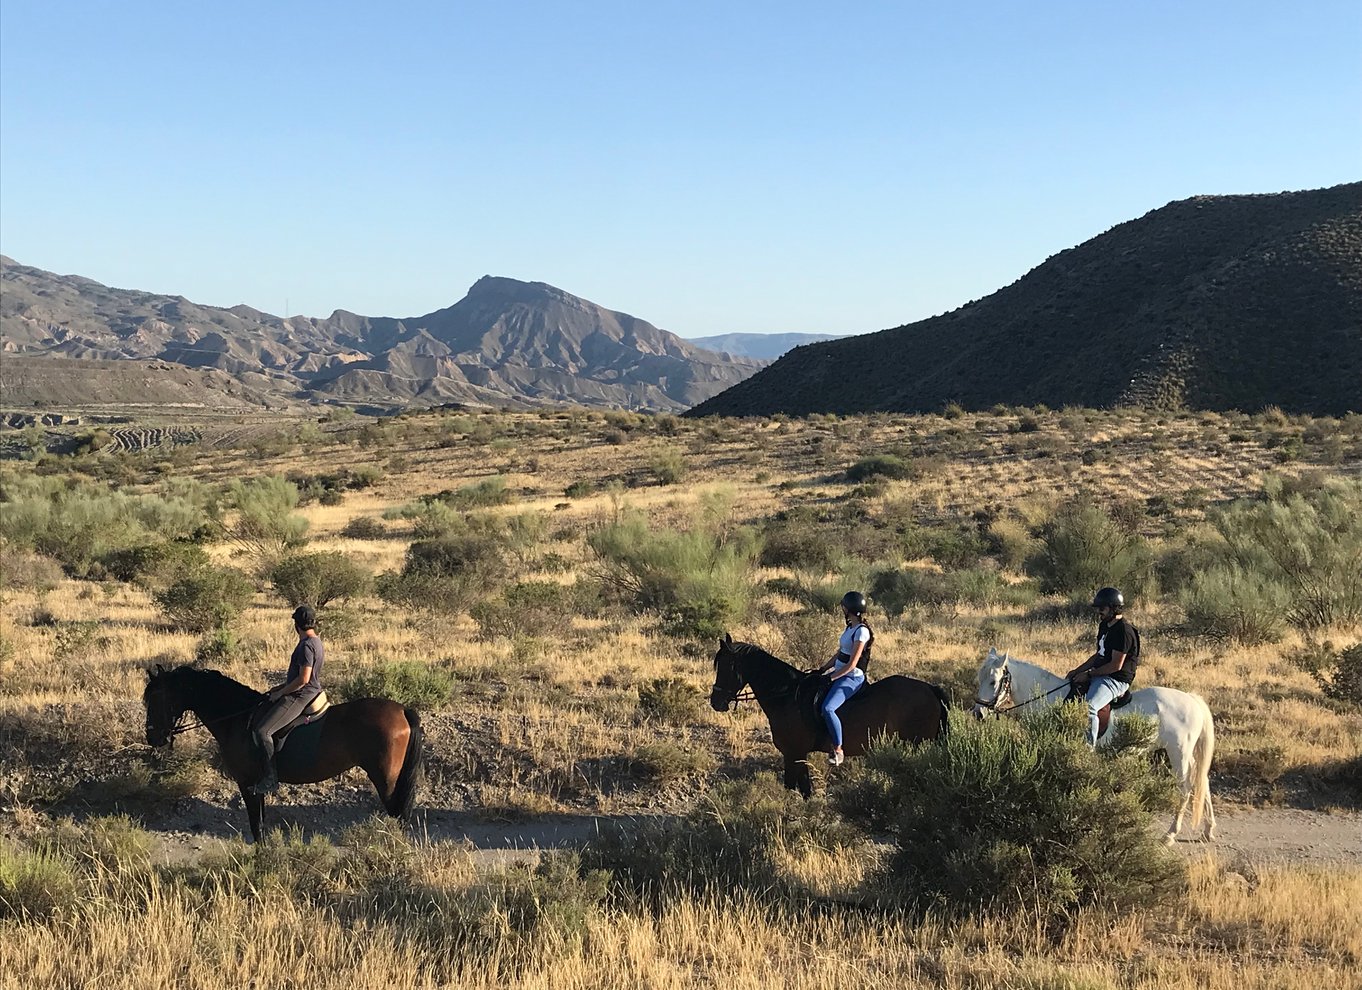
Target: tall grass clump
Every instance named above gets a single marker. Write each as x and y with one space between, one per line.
1014 815
701 578
409 682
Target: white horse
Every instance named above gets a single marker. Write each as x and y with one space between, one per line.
1185 730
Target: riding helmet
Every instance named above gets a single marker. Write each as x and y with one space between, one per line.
305 617
854 602
1110 597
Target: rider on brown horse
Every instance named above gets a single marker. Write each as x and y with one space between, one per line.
287 701
848 667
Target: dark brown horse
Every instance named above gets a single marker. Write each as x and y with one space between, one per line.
895 706
378 735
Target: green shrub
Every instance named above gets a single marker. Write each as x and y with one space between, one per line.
528 608
1084 549
879 466
668 466
1227 602
666 761
154 564
409 682
78 524
488 491
701 577
668 699
1306 543
898 589
1015 815
579 489
450 573
266 525
76 640
364 528
317 579
205 599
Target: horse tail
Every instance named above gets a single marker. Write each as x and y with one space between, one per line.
945 724
1202 752
404 791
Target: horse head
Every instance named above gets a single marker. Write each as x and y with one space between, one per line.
728 676
995 683
163 702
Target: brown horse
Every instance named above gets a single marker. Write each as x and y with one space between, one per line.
378 735
896 706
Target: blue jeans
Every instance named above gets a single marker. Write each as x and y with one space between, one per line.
1102 691
842 689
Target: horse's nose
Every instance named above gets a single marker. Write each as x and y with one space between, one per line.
978 712
717 703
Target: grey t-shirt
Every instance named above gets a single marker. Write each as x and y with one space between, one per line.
308 653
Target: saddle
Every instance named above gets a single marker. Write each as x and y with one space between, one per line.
312 712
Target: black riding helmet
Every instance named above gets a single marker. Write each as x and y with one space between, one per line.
854 602
305 617
1109 597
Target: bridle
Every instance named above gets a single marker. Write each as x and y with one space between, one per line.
743 692
199 723
1005 691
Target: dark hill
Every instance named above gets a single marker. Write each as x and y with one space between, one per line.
1215 302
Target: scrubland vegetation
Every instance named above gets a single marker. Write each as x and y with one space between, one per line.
546 588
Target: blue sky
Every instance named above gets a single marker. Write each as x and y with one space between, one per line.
707 167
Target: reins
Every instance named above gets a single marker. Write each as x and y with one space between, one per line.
205 722
1005 688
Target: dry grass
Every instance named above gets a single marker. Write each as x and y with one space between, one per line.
553 724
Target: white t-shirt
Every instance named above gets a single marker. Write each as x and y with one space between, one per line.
852 635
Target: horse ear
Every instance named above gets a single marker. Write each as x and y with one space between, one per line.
728 639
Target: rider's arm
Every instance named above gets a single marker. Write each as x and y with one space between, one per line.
1085 666
1117 661
297 684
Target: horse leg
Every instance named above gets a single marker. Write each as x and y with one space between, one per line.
1182 766
255 811
791 776
1209 812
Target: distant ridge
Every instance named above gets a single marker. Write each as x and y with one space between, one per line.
1214 302
505 343
764 346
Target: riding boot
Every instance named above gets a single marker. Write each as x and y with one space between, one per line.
268 782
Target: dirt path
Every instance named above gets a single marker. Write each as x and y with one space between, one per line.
1258 835
1287 834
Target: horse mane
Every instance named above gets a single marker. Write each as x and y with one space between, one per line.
214 685
753 652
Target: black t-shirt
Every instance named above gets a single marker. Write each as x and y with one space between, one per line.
308 653
1119 637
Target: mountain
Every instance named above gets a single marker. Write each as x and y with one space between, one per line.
763 346
1214 302
505 342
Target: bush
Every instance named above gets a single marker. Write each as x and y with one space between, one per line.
879 466
317 579
668 699
1083 549
1015 814
364 528
154 564
701 578
1227 602
205 599
266 525
668 466
529 608
408 682
1306 545
897 589
579 489
666 761
449 573
488 491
